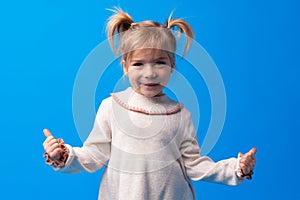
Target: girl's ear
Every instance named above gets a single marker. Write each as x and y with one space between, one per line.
125 69
172 69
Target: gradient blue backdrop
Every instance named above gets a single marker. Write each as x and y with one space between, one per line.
255 45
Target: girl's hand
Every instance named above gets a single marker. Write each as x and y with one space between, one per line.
52 146
246 164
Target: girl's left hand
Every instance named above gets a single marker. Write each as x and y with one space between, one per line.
246 164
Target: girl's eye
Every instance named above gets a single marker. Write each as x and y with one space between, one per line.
160 62
137 64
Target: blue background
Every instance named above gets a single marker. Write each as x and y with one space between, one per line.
255 45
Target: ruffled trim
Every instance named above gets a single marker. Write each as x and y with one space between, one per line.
167 106
241 174
63 155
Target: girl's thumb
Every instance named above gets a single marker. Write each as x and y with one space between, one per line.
253 151
47 133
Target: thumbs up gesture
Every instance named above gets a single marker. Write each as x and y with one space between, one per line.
56 152
246 164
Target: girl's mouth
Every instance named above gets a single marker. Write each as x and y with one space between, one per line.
151 84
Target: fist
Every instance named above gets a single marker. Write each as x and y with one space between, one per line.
52 146
246 164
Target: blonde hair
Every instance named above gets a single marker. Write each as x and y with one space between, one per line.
146 34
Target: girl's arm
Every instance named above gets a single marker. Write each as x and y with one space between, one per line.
202 167
95 151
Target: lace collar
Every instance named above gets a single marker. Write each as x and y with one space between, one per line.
161 105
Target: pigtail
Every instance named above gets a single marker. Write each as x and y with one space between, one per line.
117 23
182 26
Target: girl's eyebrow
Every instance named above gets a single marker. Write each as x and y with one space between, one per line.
136 60
155 59
161 58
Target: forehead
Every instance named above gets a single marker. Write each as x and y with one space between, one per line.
142 54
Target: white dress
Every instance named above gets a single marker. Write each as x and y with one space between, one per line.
149 148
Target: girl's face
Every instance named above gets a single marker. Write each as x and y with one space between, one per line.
148 71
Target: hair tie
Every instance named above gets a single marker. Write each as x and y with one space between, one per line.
166 24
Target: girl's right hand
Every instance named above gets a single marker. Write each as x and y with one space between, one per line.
51 146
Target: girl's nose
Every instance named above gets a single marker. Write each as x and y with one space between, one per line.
149 71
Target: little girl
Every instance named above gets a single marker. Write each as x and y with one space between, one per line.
146 140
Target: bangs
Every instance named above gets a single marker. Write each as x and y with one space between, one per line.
148 38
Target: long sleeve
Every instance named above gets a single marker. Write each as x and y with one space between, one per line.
95 151
202 167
